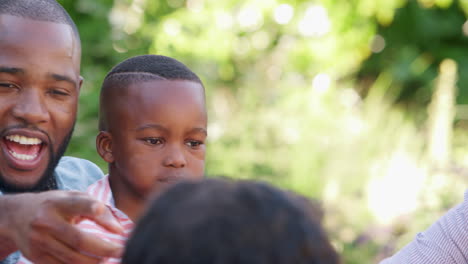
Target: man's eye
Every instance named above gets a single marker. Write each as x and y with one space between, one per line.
7 85
193 143
58 92
154 141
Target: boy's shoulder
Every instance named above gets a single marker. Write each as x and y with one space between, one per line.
102 191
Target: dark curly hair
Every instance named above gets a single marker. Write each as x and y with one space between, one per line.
220 221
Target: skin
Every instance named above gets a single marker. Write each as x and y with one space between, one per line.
156 137
39 88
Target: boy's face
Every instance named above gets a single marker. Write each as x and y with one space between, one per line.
157 132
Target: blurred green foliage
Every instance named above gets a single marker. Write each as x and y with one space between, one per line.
324 97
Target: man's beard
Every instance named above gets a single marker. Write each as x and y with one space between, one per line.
47 181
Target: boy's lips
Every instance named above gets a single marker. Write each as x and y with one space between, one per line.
24 149
170 178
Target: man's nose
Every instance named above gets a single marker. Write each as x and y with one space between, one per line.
30 107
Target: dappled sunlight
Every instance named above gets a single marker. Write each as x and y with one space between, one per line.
321 83
395 187
315 22
465 28
343 101
249 18
195 6
224 20
127 19
378 44
283 14
349 98
172 27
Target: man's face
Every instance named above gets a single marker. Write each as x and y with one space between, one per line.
158 133
39 86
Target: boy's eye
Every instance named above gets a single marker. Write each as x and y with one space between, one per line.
154 141
193 143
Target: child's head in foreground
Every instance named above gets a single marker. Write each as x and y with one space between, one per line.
220 221
153 125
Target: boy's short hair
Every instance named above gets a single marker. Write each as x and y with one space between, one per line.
140 69
41 10
222 221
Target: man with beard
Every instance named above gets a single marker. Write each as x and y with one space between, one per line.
39 87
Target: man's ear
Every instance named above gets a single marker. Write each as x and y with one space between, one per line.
80 83
104 146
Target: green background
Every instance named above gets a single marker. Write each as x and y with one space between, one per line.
329 98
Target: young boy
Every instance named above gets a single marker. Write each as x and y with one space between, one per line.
153 127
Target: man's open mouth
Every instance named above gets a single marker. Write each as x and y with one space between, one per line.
22 147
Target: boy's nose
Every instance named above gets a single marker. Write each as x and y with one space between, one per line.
175 158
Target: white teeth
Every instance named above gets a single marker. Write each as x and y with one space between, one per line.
24 140
23 156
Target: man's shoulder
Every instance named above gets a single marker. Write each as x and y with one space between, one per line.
76 174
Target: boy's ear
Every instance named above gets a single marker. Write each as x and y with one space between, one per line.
104 146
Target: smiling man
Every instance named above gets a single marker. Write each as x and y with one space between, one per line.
39 86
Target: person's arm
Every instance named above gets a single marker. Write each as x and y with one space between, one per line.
42 227
445 242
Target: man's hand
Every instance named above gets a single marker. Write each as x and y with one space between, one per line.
42 227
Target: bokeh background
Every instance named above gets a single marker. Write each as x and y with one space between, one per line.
360 104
